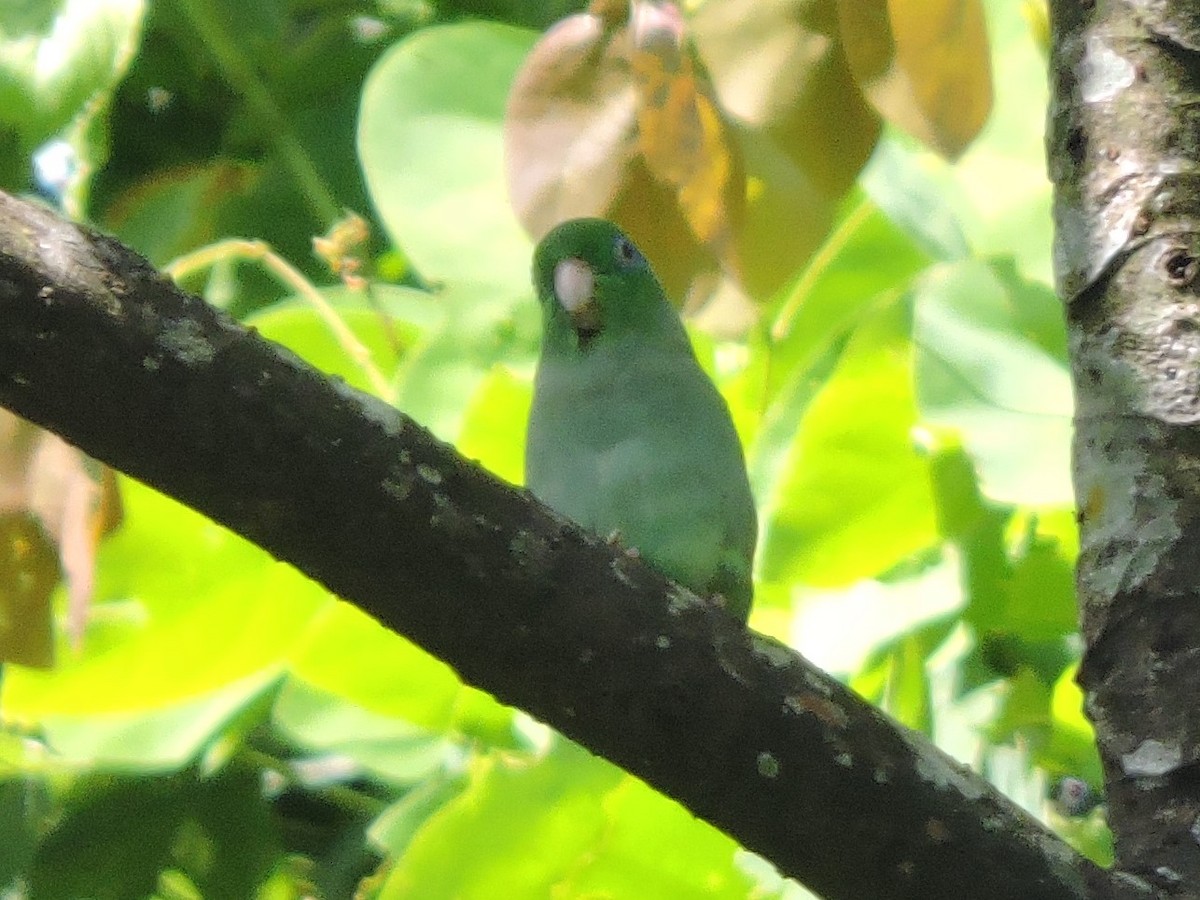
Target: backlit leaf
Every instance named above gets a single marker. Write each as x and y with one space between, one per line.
681 131
854 498
611 115
924 64
780 69
988 364
429 138
570 125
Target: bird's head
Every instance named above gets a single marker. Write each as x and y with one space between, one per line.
592 280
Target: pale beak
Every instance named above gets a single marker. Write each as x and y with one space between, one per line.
575 290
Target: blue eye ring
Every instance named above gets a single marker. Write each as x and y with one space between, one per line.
626 253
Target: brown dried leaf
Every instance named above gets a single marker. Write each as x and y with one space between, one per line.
605 120
780 70
682 134
924 64
570 130
71 497
646 209
77 501
786 217
28 574
805 129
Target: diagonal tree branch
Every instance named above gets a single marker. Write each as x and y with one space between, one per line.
97 346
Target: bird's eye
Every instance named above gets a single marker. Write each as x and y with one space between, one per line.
627 254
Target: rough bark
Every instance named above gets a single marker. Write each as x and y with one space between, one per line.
97 346
1123 150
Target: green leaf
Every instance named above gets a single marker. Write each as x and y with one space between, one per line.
1017 580
57 60
997 190
1090 836
542 812
234 843
156 740
653 847
865 258
117 836
983 368
907 693
297 325
1002 176
168 215
896 674
1072 746
916 200
494 427
1041 593
1025 713
429 139
137 819
349 654
578 826
169 583
25 805
483 328
884 611
389 748
855 498
395 827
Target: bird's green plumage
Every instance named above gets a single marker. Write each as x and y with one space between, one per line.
627 434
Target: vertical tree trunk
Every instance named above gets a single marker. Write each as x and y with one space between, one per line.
1123 133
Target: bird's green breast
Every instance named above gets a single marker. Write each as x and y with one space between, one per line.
634 439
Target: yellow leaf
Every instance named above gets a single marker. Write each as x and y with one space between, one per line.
681 132
924 64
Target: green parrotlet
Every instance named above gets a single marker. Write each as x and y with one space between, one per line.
628 436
